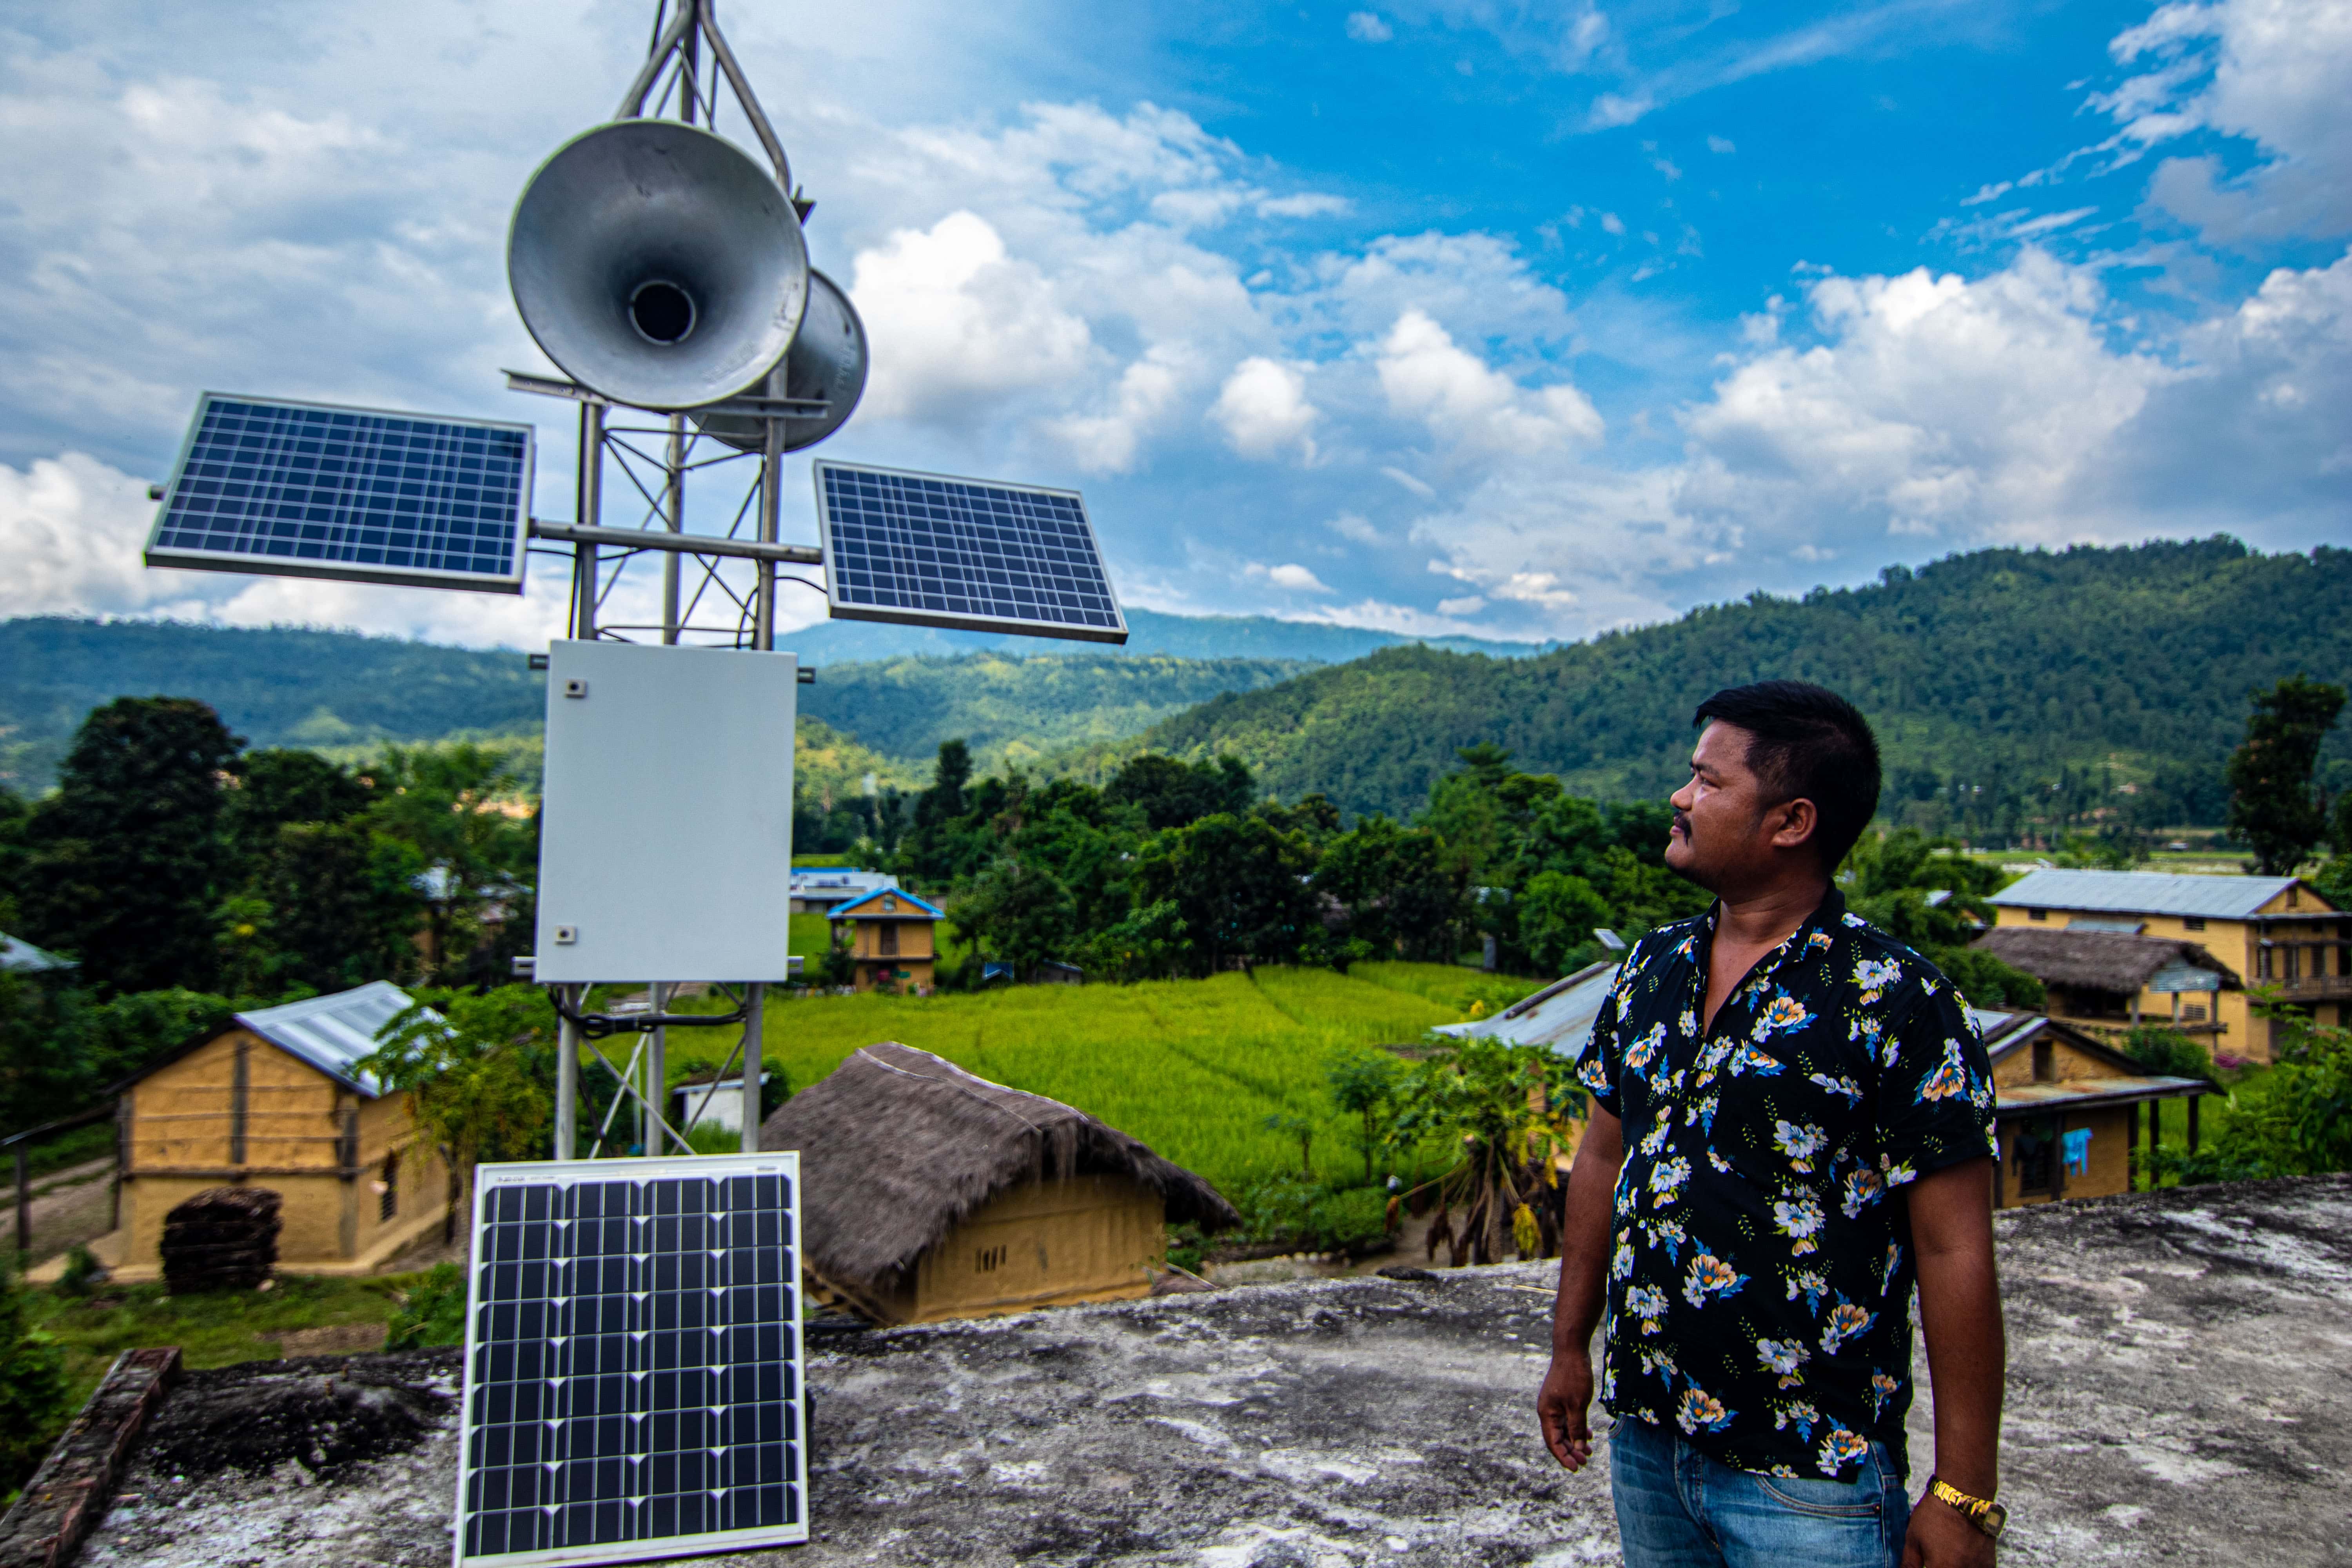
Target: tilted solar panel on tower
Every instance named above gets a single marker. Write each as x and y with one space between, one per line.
930 551
632 1361
307 489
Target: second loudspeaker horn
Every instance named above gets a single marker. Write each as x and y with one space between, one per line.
827 361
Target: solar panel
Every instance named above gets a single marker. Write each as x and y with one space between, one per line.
632 1361
970 555
309 490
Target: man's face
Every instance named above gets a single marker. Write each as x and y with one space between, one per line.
1725 823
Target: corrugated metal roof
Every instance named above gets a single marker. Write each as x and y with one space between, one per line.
331 1033
21 957
1558 1017
2021 1097
2143 892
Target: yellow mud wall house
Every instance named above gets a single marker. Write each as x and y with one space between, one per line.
2272 931
2068 1109
927 1193
888 933
274 1101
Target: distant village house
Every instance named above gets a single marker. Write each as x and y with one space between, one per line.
927 1193
887 933
2273 931
277 1100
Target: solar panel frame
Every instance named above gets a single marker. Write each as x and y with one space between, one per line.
369 524
918 545
580 1443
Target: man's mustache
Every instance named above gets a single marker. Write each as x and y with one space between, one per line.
1682 823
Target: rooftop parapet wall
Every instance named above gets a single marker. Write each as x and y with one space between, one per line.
2176 1392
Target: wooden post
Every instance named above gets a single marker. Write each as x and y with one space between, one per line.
2131 1137
23 1206
2193 1122
2155 1137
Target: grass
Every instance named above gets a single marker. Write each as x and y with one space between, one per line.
1192 1067
214 1330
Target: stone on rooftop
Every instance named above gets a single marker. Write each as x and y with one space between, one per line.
2176 1390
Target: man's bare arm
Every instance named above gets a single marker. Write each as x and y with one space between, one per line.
1959 1310
1584 1233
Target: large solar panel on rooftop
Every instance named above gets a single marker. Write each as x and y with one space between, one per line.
929 550
309 490
632 1361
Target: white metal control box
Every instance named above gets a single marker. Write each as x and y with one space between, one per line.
665 837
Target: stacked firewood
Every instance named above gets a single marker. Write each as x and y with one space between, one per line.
223 1238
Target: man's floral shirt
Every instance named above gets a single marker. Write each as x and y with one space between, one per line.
1760 1276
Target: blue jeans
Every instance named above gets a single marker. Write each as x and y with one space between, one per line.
1678 1509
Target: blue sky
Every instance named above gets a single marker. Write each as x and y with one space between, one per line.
1516 320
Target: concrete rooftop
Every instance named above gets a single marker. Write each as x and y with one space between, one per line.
2178 1390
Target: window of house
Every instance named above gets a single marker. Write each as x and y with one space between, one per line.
2294 898
2192 923
2192 1012
886 938
388 1203
2037 914
2045 1067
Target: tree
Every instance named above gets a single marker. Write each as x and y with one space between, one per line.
476 1072
276 787
1509 1112
1364 1085
1406 893
1558 914
1239 887
340 904
1929 893
1171 793
2274 807
127 859
451 805
1018 911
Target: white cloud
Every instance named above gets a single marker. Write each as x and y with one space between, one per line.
966 323
1306 204
1464 606
1296 578
1720 144
1419 486
72 528
2278 72
1263 411
1366 28
1467 403
1349 525
1612 222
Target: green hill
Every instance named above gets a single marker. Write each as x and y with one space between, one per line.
345 694
2012 674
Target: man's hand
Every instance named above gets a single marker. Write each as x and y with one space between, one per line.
1567 1391
1940 1538
1561 1403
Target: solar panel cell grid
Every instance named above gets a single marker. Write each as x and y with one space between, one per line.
962 552
311 490
633 1367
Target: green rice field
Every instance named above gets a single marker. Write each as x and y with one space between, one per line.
1192 1067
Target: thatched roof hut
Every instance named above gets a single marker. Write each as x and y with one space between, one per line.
929 1193
2117 963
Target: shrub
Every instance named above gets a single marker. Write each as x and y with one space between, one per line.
33 1395
433 1312
1352 1220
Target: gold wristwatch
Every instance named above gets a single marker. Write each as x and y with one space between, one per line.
1982 1512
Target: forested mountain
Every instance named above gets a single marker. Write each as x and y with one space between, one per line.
339 690
1150 632
1012 709
1997 680
279 686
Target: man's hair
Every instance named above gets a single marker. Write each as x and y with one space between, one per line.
1808 744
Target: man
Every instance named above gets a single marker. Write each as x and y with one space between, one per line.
1791 1123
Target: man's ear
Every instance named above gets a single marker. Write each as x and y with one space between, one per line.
1798 818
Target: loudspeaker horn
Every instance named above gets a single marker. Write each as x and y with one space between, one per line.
657 264
827 360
